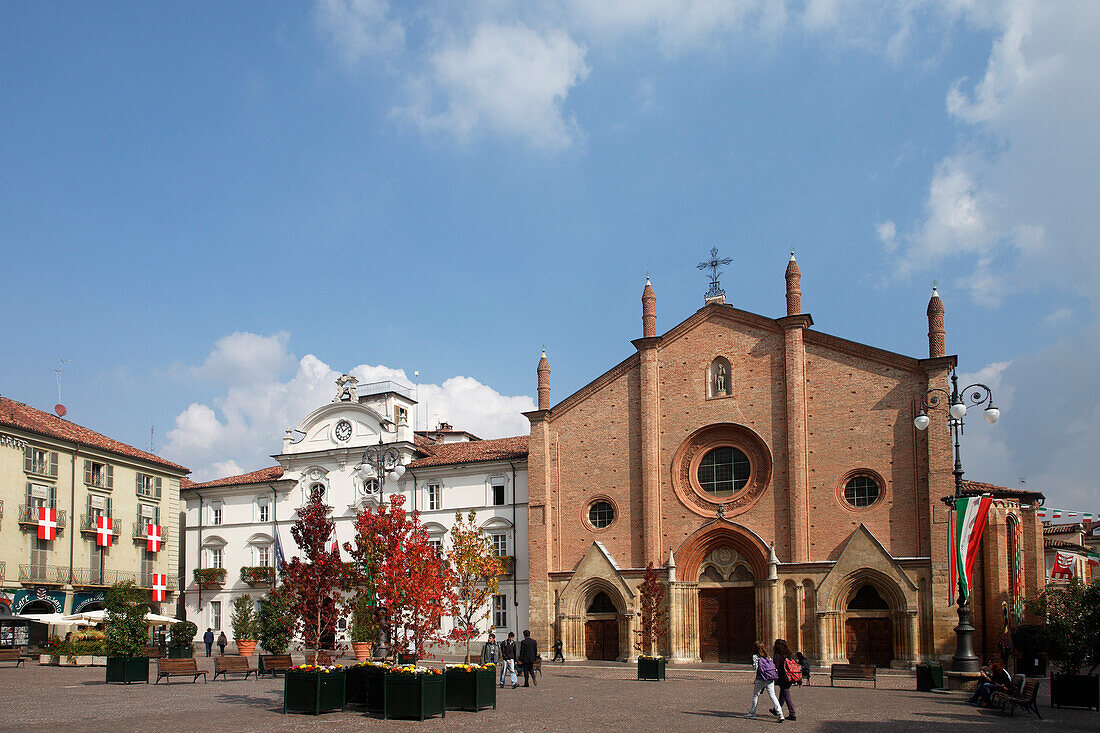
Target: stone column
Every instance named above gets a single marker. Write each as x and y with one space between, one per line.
794 378
683 638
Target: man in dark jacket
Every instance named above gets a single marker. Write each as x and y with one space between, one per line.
528 653
508 660
208 639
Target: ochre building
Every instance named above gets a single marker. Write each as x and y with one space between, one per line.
772 474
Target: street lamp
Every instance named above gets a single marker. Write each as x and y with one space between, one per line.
976 394
380 462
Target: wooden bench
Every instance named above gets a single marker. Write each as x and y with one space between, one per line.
274 664
153 652
233 665
324 658
860 672
12 655
1025 700
169 668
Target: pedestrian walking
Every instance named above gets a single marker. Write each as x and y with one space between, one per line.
208 639
490 653
790 674
805 665
508 660
222 641
764 681
558 652
528 653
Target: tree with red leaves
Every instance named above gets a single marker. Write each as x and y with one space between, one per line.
315 585
396 565
475 568
652 614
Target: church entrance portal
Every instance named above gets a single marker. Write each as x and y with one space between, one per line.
727 624
869 629
601 629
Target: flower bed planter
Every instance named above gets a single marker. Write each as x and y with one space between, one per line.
99 661
48 659
651 668
245 647
128 669
313 692
181 652
473 689
416 696
1075 691
365 686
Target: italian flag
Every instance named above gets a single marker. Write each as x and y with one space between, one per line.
966 536
1094 558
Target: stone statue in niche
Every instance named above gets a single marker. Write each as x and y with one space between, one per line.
721 378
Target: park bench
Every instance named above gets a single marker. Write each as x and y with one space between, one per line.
12 655
1025 700
232 665
152 651
861 672
323 658
274 664
169 668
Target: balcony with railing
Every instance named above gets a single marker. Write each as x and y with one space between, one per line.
88 525
141 530
106 577
507 565
41 467
28 517
209 577
258 576
44 574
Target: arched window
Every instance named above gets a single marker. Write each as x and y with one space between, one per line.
1013 551
720 378
867 599
601 604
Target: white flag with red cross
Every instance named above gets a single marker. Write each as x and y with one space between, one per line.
152 538
160 585
47 523
104 531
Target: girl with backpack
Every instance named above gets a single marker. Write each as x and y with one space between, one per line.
766 676
790 673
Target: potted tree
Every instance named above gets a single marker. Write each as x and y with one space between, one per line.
181 638
415 692
654 627
364 629
315 586
1072 614
474 570
126 633
274 621
243 622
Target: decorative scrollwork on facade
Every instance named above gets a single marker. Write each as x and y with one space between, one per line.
685 466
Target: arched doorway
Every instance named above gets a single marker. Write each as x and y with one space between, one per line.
727 607
37 634
601 628
869 628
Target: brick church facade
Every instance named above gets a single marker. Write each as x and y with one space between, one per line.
772 474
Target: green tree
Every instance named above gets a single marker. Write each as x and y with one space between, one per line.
243 618
1072 615
275 619
127 632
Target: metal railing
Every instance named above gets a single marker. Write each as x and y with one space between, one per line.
88 524
141 529
43 574
28 515
40 468
105 577
3 570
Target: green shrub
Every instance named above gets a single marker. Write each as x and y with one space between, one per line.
275 621
243 620
182 634
127 633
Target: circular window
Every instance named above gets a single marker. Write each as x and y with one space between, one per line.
318 489
601 514
861 491
724 471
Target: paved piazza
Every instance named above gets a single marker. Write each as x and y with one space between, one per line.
579 697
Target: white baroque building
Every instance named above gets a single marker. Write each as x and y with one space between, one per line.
231 523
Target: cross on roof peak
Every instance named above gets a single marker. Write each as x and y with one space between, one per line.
713 264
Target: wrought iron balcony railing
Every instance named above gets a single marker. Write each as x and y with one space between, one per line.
141 529
52 574
88 524
105 577
28 516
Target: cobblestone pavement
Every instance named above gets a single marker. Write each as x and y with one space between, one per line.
572 697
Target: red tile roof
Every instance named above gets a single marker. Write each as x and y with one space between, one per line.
1002 492
446 454
17 415
272 473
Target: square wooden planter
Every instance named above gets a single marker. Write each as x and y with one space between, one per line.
651 669
366 686
313 692
473 691
128 669
1075 691
415 696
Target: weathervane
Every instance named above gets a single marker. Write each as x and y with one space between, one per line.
713 264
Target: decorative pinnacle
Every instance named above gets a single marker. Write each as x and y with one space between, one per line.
713 264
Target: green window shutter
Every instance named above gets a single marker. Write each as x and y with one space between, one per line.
157 486
137 483
87 471
110 476
30 498
28 459
53 463
53 497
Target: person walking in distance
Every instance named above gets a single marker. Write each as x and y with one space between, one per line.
508 660
528 653
764 681
790 674
208 639
805 665
490 653
558 652
222 641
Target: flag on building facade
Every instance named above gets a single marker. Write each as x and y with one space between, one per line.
160 586
104 531
152 538
1063 565
1093 558
280 559
966 537
47 523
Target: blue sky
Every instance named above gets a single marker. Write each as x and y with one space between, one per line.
209 208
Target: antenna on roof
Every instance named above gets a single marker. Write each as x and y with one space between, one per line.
152 429
60 408
416 408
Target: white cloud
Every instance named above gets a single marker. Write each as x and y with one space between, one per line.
507 79
360 29
243 426
242 355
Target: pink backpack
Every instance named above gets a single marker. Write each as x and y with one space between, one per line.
794 672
